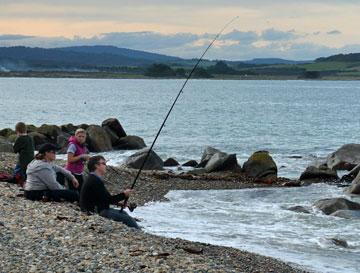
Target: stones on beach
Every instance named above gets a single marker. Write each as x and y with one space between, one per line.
171 162
345 158
98 139
320 173
153 162
5 145
222 162
346 214
261 167
7 132
190 163
50 131
300 209
130 143
114 125
39 139
331 205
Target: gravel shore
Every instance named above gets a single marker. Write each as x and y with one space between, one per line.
58 237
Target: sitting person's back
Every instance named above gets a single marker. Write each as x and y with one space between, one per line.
94 197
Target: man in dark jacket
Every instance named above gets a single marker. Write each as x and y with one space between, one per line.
94 197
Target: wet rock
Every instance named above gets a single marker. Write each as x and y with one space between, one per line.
354 188
98 139
31 128
319 174
347 214
330 205
12 138
38 139
197 171
339 242
190 163
222 162
291 184
50 131
345 158
69 128
261 166
171 162
114 125
207 154
299 209
5 145
154 162
130 143
83 126
113 137
7 132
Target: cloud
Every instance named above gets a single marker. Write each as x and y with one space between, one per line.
14 37
272 34
333 32
246 37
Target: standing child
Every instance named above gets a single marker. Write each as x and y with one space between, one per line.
24 146
77 154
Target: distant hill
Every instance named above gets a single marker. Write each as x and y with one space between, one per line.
352 57
27 58
272 61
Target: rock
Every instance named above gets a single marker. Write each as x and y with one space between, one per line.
130 143
5 145
339 242
345 158
115 126
319 174
347 214
190 163
299 209
98 139
207 154
222 162
354 188
197 171
31 128
350 176
62 141
261 166
50 131
330 205
69 128
171 162
154 162
83 126
113 137
38 139
291 184
7 132
12 138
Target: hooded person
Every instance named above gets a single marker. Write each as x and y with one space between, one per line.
77 155
41 180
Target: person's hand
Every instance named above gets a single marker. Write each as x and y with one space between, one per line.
127 192
75 183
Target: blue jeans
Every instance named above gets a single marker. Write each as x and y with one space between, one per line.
119 216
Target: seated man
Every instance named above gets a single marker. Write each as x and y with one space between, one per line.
94 197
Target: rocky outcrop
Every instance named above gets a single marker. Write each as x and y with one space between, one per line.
207 154
345 158
331 205
38 139
69 128
300 209
50 131
98 139
347 214
130 143
153 162
190 163
222 162
319 174
7 132
5 145
171 162
114 125
261 166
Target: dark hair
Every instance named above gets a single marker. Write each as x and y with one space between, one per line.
93 161
39 156
20 127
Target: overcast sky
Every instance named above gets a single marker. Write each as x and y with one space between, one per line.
299 30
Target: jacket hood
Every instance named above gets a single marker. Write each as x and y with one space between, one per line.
37 165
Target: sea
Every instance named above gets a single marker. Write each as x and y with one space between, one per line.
298 122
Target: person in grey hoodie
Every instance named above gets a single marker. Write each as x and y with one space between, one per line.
41 180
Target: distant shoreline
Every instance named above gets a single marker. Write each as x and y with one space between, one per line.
109 75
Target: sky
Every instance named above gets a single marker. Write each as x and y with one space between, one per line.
297 30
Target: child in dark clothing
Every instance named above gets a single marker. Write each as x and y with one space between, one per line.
24 146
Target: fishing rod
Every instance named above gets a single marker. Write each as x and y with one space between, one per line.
172 106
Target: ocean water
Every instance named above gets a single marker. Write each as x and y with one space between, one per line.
307 119
296 121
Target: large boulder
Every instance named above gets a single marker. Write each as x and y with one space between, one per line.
5 145
330 205
113 137
6 132
114 125
261 166
171 162
38 139
98 139
222 162
345 158
130 143
153 162
319 174
354 188
347 214
69 128
190 163
31 128
207 154
50 131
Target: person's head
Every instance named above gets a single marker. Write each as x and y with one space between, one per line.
97 164
80 135
20 128
47 152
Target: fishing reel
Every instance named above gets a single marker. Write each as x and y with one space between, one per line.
131 206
